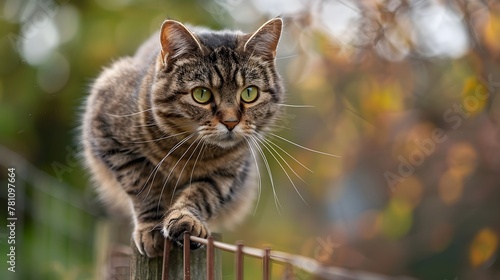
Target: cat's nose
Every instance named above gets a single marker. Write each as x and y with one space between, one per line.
230 124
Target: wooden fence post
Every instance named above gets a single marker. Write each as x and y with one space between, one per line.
144 268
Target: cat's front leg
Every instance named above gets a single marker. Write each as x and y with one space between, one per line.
143 187
180 220
148 239
148 215
193 208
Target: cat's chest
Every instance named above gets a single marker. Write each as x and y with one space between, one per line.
185 169
194 165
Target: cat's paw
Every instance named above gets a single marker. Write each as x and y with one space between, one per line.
149 240
179 221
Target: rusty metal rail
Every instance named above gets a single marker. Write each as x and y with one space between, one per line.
267 256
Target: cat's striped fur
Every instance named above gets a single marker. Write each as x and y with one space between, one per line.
173 164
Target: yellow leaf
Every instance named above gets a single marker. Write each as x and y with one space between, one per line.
474 96
491 33
385 97
483 247
397 219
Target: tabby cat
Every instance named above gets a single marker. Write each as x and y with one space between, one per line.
168 132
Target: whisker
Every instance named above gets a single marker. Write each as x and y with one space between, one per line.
196 160
155 171
177 125
158 225
288 154
305 148
356 114
266 143
187 161
158 139
145 125
266 163
284 170
285 57
128 115
279 126
172 169
258 174
296 105
157 167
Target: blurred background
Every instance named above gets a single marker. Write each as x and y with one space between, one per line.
406 92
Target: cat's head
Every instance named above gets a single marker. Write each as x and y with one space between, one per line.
221 85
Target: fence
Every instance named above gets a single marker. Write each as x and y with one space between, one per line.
182 263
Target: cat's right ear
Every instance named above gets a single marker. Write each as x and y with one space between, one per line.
176 40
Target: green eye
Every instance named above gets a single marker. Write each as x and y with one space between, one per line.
250 94
202 95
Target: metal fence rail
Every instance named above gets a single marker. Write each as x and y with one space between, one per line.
267 256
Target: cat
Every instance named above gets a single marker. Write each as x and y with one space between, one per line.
167 134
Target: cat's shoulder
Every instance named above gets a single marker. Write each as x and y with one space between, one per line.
120 71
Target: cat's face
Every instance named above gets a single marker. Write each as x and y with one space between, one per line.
221 86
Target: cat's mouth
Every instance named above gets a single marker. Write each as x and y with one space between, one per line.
224 139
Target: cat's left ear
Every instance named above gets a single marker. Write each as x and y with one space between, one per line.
264 41
176 40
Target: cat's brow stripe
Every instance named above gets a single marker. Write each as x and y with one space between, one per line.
219 75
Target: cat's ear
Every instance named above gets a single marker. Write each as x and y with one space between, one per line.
176 40
264 41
